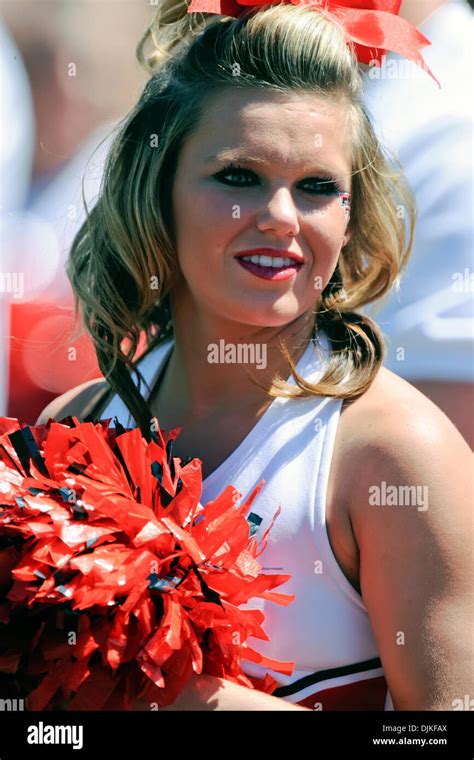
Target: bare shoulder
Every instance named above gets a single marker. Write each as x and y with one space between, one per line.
393 439
404 475
393 435
74 401
394 418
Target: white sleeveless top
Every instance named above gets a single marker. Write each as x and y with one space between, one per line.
326 629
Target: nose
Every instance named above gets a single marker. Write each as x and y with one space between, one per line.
279 214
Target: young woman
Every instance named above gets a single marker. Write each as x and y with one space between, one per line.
247 212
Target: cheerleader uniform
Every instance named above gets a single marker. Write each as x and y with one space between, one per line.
326 630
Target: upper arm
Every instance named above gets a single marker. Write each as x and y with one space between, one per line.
416 556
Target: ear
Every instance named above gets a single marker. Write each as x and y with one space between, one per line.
347 236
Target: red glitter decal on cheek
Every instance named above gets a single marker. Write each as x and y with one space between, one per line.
345 199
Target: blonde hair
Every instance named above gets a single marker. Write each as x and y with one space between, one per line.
128 237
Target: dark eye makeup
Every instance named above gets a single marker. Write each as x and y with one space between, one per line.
323 185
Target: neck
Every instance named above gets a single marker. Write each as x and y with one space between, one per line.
213 362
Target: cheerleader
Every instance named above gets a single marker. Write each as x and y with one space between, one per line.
247 213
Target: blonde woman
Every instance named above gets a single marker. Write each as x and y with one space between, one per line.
247 212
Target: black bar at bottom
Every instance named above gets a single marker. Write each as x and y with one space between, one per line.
151 735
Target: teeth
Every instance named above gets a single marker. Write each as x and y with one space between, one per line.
266 261
269 261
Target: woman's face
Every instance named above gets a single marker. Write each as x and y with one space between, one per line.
251 177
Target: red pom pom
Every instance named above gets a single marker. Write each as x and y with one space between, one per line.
119 584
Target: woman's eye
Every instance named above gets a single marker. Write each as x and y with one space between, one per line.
315 185
323 186
233 171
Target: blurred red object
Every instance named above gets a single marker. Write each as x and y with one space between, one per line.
44 359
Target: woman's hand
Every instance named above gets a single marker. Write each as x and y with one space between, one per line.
204 692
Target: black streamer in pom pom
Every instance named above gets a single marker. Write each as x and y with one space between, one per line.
25 446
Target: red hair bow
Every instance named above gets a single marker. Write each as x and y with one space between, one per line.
373 26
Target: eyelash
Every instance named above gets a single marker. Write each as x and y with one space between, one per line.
331 187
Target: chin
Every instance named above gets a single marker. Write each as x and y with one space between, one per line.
262 320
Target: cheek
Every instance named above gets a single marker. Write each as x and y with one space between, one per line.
324 234
203 208
325 230
203 230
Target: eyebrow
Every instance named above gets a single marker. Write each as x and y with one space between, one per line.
238 155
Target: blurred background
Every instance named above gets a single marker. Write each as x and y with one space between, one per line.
68 73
